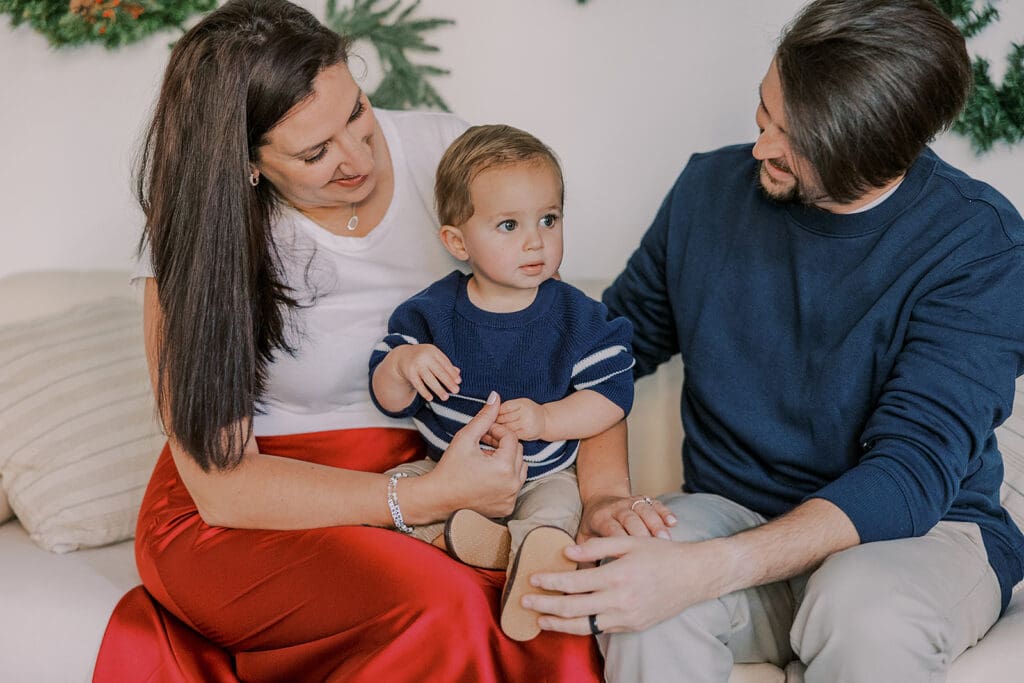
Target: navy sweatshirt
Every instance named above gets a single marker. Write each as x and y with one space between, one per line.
561 343
862 358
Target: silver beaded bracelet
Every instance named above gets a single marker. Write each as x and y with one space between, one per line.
396 512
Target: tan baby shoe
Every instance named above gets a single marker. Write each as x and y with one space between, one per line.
543 550
476 540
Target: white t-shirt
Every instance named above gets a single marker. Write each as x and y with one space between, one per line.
354 283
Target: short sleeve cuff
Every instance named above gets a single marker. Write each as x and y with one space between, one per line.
618 390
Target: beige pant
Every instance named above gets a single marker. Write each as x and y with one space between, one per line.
552 500
898 611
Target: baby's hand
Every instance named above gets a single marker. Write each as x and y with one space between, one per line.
428 370
525 418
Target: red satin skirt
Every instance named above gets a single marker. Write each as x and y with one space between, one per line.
343 603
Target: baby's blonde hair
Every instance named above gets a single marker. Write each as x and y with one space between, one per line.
476 150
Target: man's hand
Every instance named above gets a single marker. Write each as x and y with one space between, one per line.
524 418
427 370
651 580
654 579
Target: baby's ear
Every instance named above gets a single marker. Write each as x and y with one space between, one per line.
451 238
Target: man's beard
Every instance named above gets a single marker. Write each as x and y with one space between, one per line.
797 193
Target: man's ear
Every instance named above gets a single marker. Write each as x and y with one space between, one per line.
451 238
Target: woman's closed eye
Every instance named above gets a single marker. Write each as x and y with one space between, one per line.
358 111
319 155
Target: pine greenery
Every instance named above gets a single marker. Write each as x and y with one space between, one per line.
112 23
405 85
994 113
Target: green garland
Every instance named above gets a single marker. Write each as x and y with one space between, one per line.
404 85
112 23
994 113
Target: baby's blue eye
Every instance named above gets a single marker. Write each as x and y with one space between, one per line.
549 220
507 225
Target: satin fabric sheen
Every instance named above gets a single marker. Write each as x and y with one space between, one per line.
346 604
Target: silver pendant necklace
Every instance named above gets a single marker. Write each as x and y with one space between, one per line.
353 222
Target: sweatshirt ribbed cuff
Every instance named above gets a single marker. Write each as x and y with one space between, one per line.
873 501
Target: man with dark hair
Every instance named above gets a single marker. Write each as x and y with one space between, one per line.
848 310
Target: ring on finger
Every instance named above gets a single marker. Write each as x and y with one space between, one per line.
646 500
593 625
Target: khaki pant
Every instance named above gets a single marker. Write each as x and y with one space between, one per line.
551 500
898 611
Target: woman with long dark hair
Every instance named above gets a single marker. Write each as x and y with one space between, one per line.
285 219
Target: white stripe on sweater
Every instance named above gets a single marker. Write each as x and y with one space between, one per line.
432 438
561 466
445 411
597 357
586 385
470 398
545 452
385 347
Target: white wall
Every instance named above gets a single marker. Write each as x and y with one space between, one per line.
623 91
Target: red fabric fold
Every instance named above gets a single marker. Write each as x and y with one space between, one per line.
347 604
147 643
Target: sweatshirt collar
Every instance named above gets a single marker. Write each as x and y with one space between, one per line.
876 218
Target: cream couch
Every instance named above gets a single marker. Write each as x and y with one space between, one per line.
54 607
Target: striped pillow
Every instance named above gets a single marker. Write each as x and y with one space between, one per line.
78 435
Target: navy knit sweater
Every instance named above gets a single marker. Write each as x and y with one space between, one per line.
863 358
561 343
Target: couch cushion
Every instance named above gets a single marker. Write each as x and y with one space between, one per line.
78 436
1011 445
55 607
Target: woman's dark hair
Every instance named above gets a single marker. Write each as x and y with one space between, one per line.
230 80
866 85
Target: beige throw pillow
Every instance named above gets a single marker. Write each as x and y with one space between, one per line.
1011 444
78 434
5 508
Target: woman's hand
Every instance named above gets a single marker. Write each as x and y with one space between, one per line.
651 580
487 482
624 516
427 370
